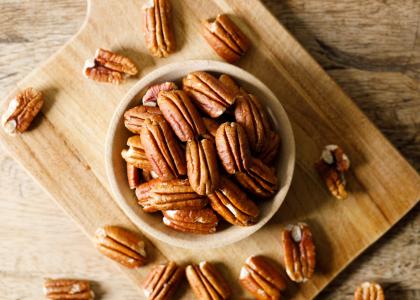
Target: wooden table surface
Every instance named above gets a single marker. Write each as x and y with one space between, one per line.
371 48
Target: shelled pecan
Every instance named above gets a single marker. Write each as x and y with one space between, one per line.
135 155
211 126
226 39
168 195
108 66
251 115
231 84
181 114
162 281
121 245
21 110
193 221
158 28
133 176
134 117
232 147
258 179
163 150
331 168
151 95
233 205
202 169
207 282
262 279
61 289
208 93
299 252
369 291
270 149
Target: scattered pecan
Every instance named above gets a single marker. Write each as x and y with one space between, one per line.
163 150
299 252
369 291
135 155
208 93
121 245
181 114
151 95
168 195
207 282
232 147
21 110
133 176
259 179
159 34
134 117
262 279
162 281
202 169
271 148
211 126
251 115
61 289
331 168
230 202
192 221
226 39
109 67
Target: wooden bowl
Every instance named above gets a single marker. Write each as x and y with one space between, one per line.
151 224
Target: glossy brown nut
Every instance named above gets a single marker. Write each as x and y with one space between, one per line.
207 282
209 94
226 39
202 169
158 28
258 179
151 95
134 117
271 149
163 150
121 245
262 279
211 126
181 114
162 281
59 289
233 205
133 176
299 252
199 221
135 154
369 291
232 147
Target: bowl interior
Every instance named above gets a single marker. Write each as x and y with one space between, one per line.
151 224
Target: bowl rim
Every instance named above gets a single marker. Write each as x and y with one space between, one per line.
203 65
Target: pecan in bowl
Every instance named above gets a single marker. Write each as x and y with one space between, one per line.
212 155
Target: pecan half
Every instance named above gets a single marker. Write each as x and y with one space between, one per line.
162 281
151 95
109 67
226 39
134 117
209 94
299 252
202 169
133 176
135 155
159 34
331 168
259 179
181 114
211 126
193 221
60 289
251 115
168 195
232 147
270 149
163 150
262 279
231 84
21 110
207 282
230 202
121 245
369 291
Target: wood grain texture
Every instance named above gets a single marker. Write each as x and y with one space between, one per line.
40 233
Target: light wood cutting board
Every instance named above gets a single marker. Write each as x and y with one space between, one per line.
64 150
